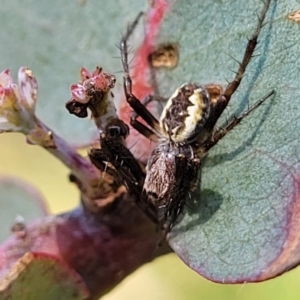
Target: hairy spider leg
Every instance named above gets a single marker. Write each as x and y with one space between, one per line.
126 167
221 103
99 159
135 103
220 133
145 131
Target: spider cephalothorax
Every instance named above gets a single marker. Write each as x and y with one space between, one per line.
184 134
185 114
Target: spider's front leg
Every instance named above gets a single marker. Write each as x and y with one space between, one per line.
220 103
250 48
135 103
220 133
145 131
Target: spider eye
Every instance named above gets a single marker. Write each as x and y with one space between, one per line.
185 113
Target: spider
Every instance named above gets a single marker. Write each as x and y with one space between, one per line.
184 134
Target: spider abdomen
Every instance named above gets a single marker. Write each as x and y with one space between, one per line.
171 173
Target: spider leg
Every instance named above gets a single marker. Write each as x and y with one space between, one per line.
99 159
147 100
220 133
144 130
123 161
141 128
222 102
125 166
135 103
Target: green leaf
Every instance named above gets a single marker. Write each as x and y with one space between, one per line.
55 40
38 276
244 224
18 198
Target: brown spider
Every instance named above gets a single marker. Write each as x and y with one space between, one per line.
184 134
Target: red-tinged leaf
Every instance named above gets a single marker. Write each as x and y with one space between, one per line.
39 276
244 223
102 249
